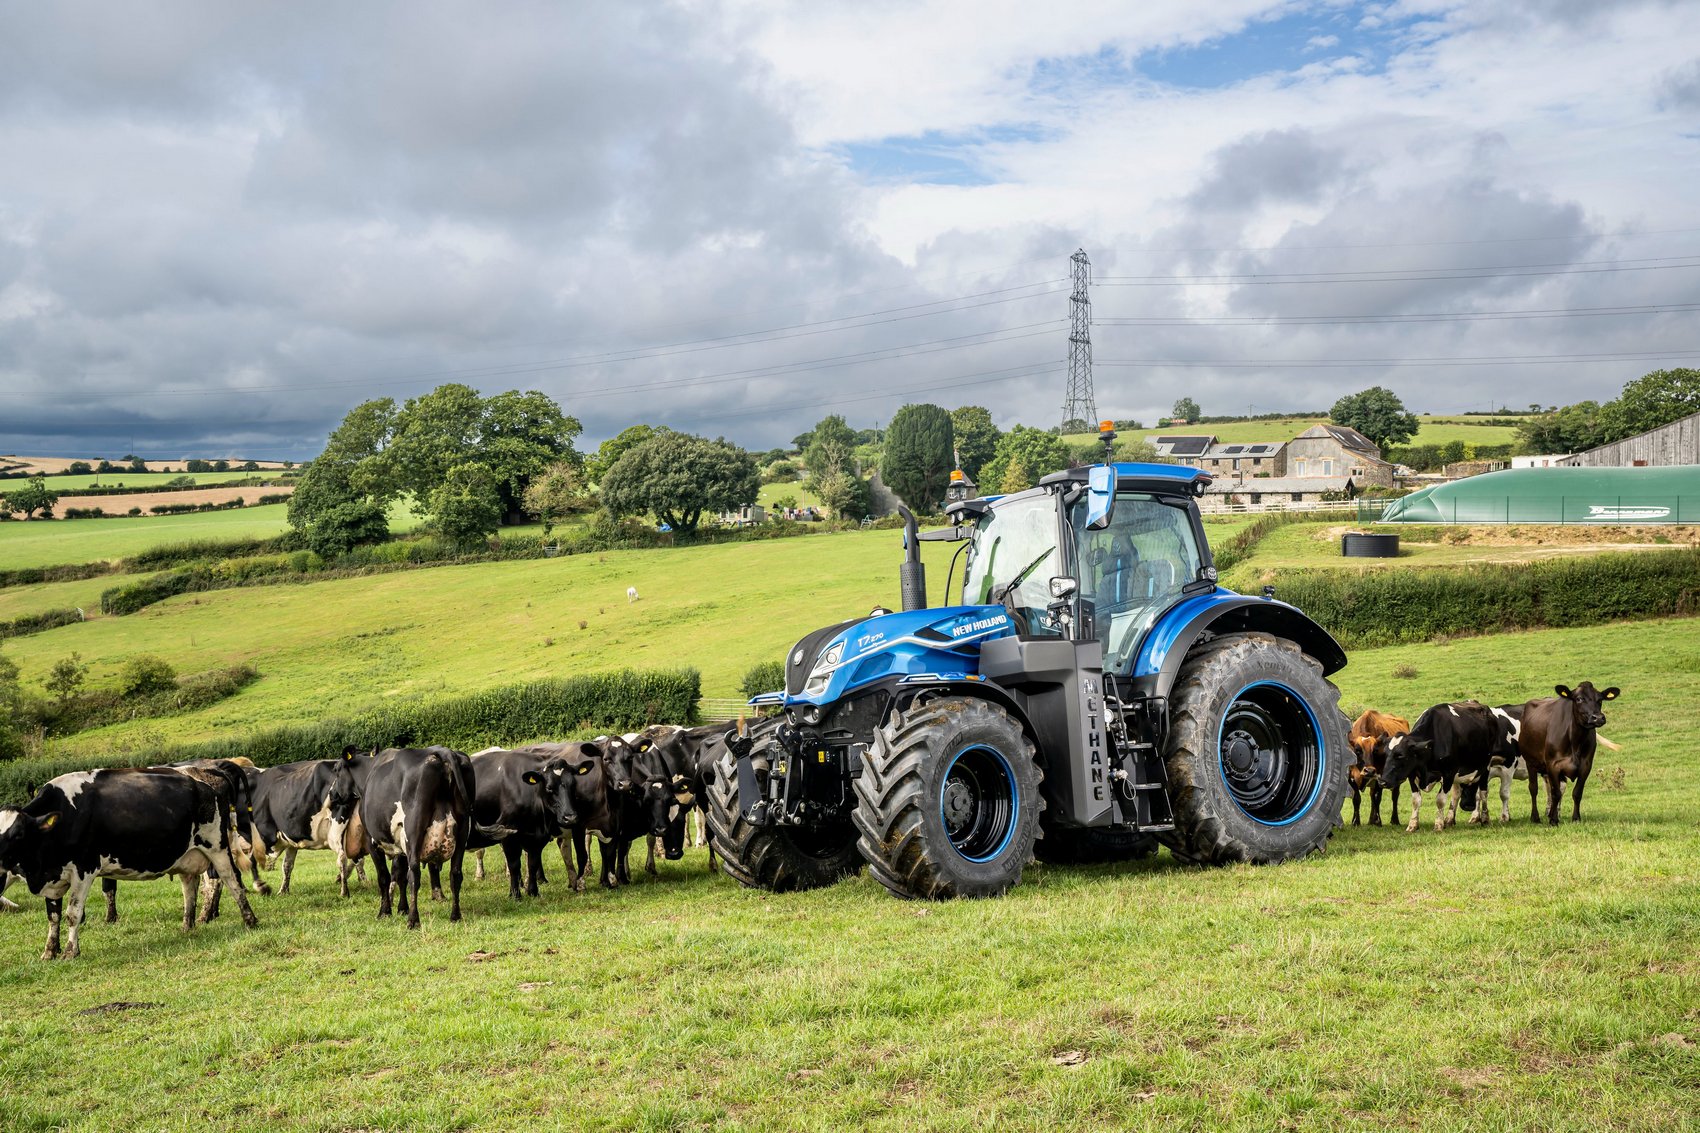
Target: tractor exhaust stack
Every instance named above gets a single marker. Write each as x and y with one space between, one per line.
912 575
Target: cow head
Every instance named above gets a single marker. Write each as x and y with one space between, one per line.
1585 701
620 755
555 783
585 775
668 802
19 832
345 787
1397 757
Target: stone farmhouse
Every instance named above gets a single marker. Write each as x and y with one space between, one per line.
1324 461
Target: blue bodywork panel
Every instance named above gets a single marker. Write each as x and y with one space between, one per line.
1163 635
944 640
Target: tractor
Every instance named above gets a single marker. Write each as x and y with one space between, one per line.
1095 695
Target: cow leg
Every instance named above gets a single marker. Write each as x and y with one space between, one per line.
77 896
289 870
382 865
1479 815
260 885
699 828
209 888
1416 804
1375 805
109 888
1394 792
437 881
533 870
623 860
610 864
510 850
413 877
1576 798
455 875
55 910
581 852
1357 799
230 879
191 887
1534 798
649 866
399 878
1555 796
478 865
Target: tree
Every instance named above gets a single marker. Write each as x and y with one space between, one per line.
555 493
221 466
1574 428
34 496
919 456
1015 477
1188 408
678 477
11 710
79 468
467 505
66 677
615 447
1378 414
976 438
250 466
332 515
1040 452
1138 450
145 675
137 464
845 494
197 466
833 475
1651 400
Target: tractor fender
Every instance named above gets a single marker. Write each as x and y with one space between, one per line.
1174 636
904 696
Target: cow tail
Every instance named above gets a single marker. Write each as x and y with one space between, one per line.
457 781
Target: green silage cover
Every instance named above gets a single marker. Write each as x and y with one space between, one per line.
1558 495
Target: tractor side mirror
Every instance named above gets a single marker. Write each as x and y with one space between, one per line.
1100 496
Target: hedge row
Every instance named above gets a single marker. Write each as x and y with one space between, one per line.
185 509
36 623
1390 607
99 707
152 489
572 706
68 572
1234 550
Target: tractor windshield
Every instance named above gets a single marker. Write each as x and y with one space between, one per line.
1012 558
1134 569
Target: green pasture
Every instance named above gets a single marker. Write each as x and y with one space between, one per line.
145 481
771 492
1508 978
1433 431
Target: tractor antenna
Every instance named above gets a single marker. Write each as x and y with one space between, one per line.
1078 403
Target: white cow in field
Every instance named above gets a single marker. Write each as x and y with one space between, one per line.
631 595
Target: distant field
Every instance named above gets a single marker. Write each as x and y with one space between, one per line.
1508 978
771 492
1434 431
139 480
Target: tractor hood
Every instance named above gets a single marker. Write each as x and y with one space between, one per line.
831 662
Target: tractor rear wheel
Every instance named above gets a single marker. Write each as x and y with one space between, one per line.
948 800
1256 760
779 859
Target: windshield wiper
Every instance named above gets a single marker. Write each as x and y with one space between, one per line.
1003 594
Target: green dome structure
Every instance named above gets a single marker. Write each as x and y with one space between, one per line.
1558 495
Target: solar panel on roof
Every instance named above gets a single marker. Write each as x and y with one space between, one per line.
1234 448
1190 446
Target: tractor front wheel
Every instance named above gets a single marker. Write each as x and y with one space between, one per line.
776 858
1257 752
948 800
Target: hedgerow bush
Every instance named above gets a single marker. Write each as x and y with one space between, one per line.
764 676
1233 551
36 623
1389 607
558 708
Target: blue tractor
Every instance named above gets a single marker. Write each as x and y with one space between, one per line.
1096 694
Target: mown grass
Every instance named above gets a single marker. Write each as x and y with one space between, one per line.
142 481
1513 977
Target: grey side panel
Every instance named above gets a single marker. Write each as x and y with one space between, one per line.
1062 683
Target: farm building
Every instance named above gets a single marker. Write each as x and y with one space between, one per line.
1558 495
1677 443
1334 450
1276 491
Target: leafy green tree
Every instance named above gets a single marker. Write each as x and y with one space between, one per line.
919 455
779 471
221 466
555 493
1574 428
145 675
467 505
1138 450
1452 452
1378 414
33 497
197 466
79 468
250 466
11 710
678 477
845 494
66 677
1015 476
976 438
1649 401
1187 408
137 464
615 447
332 515
831 448
1040 452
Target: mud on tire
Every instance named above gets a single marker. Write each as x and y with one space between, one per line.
948 801
1256 758
780 859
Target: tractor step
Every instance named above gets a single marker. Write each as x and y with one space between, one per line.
1149 790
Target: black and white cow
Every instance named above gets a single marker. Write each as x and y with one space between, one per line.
524 801
133 824
1446 742
1503 767
308 806
416 807
230 781
680 762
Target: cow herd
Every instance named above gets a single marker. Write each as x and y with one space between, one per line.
1459 748
410 810
414 810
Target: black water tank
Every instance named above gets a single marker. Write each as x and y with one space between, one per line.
1357 545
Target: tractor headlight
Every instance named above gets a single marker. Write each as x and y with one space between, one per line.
833 655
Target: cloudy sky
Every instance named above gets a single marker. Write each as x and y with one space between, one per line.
222 226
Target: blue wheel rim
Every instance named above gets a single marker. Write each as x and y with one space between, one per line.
979 804
1270 753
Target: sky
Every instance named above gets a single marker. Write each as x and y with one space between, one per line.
223 226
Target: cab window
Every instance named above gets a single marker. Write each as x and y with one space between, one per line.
1015 547
1134 569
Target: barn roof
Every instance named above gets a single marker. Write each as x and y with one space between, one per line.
1349 438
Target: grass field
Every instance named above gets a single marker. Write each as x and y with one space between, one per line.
142 481
1433 431
1513 977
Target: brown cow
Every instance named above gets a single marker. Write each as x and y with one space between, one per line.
1558 741
1366 729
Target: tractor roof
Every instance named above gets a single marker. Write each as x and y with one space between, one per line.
1169 478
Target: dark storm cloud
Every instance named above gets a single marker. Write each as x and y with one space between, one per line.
1280 166
1679 88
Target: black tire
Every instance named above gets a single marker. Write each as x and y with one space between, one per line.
780 859
1256 759
965 756
1073 845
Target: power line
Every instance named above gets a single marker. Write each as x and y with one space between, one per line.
1410 317
1327 363
1392 275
